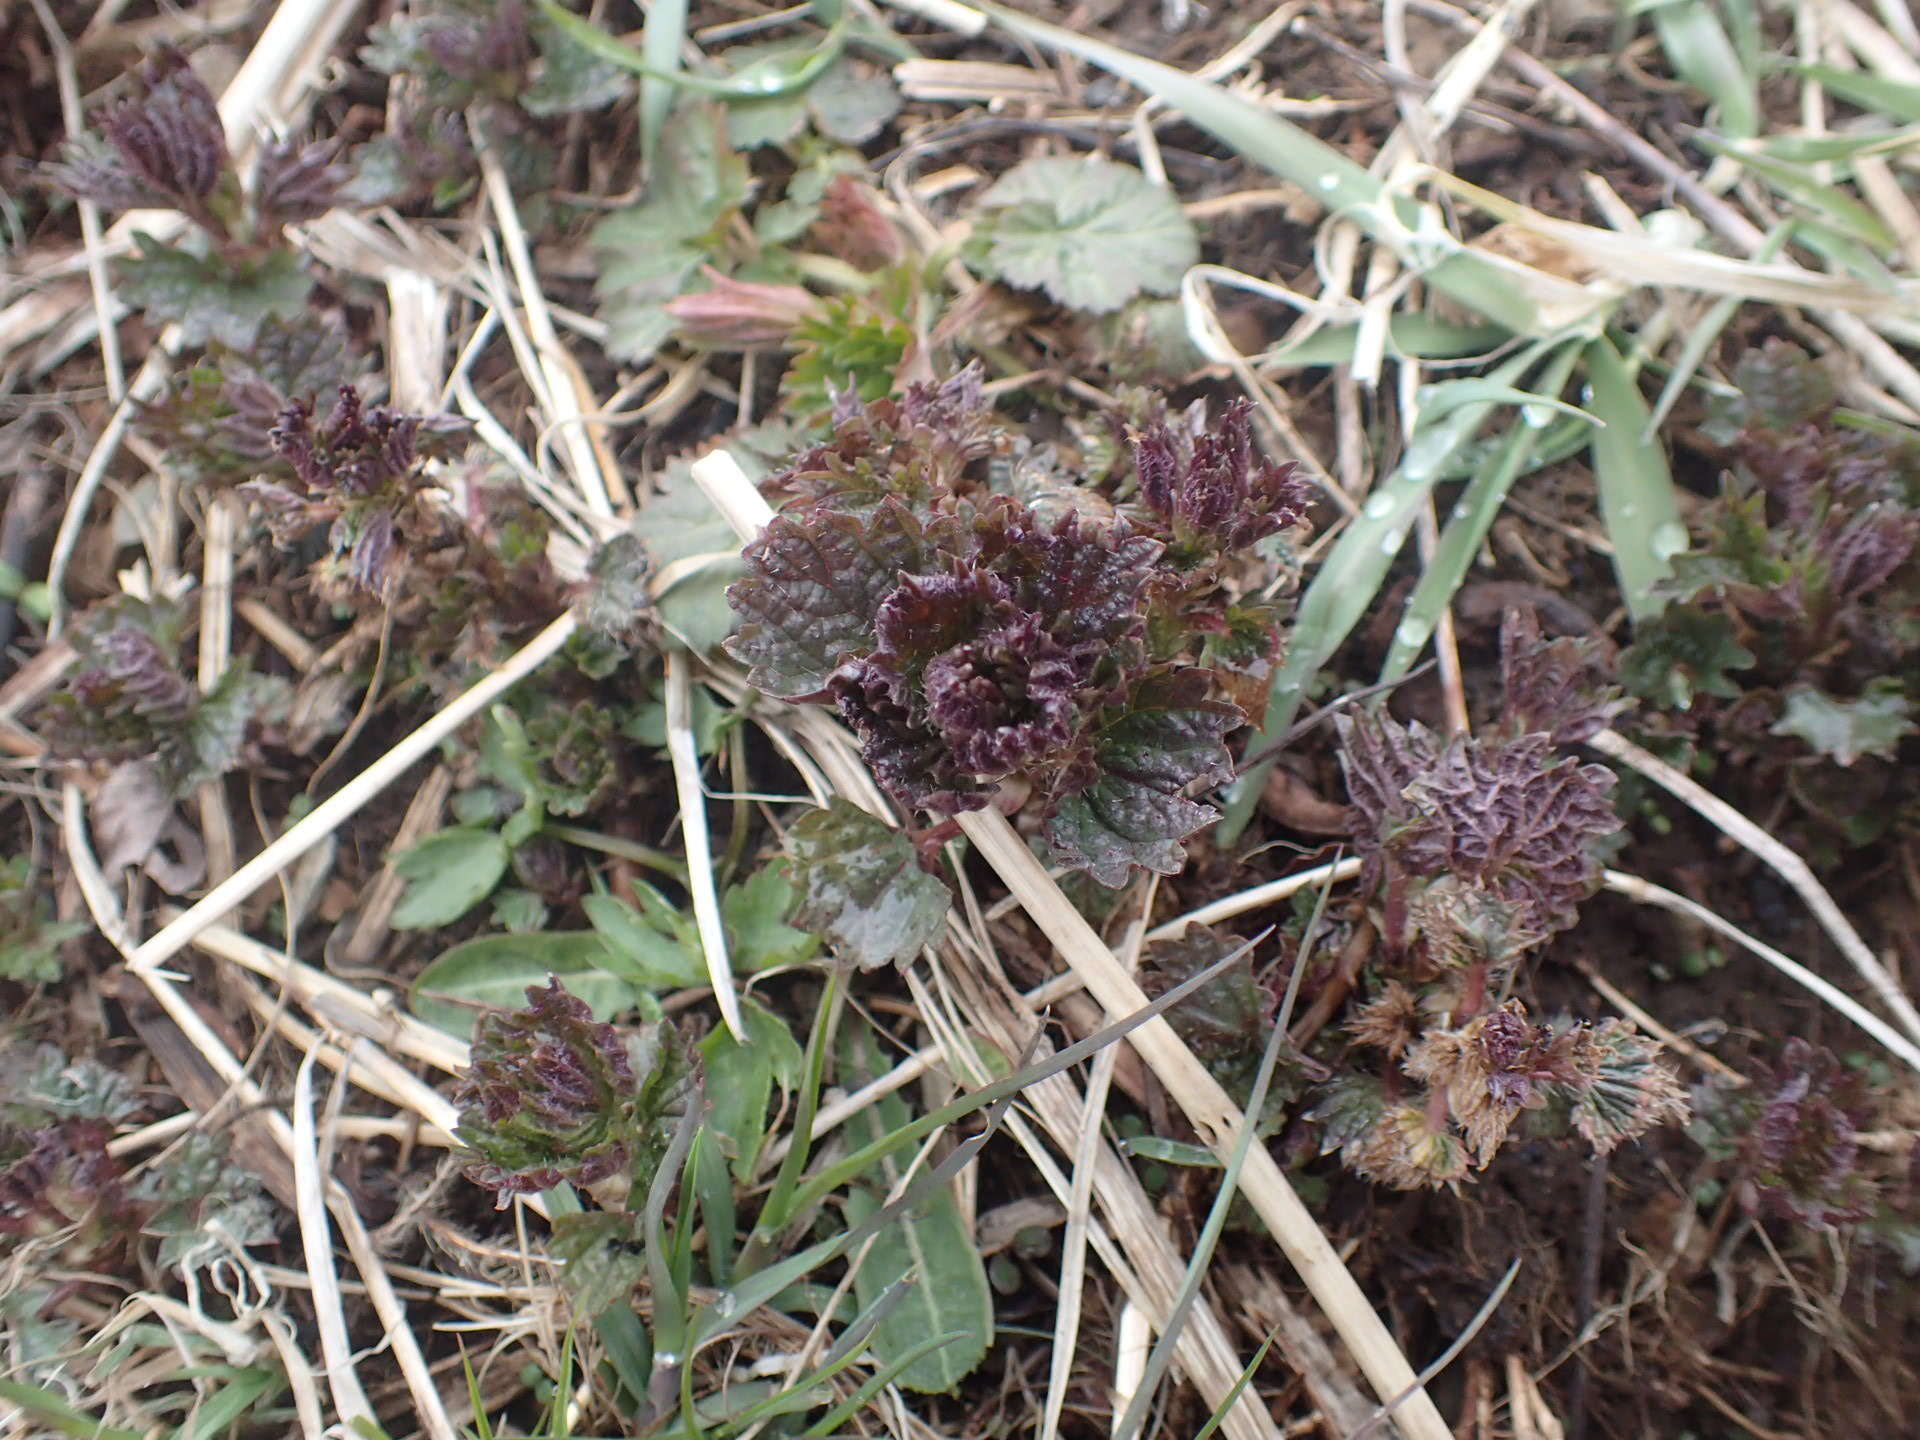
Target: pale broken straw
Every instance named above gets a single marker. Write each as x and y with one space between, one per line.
337 808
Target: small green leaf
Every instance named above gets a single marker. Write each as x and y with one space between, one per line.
647 949
521 911
863 889
853 101
1844 730
755 912
1686 652
675 526
653 251
573 77
740 1080
1091 233
605 1260
448 874
211 300
495 971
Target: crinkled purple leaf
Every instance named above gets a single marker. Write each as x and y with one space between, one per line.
1087 580
293 182
1212 488
907 756
814 585
1006 700
1557 688
924 615
1503 814
1168 742
167 138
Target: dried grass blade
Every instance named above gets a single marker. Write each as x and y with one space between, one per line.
1216 1118
1647 893
332 812
1789 866
682 750
316 1244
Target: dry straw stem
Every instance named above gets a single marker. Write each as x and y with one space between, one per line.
1647 893
316 1243
1206 1104
556 372
1134 1244
107 918
684 753
1789 866
337 808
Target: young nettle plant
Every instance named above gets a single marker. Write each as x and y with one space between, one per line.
164 148
1798 616
496 61
1478 849
130 700
553 1095
980 644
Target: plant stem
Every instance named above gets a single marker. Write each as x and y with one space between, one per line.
622 849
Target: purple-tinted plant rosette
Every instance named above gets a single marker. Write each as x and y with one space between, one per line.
972 639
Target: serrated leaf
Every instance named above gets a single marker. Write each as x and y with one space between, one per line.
1168 743
447 875
863 889
211 300
605 1257
1686 652
1091 233
214 734
853 101
755 912
573 77
653 251
495 972
813 587
1844 730
740 1080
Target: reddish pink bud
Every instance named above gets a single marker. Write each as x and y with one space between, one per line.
853 227
740 314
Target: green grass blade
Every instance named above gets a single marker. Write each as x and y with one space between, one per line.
830 1423
1291 153
1423 337
1702 55
1352 573
52 1411
1473 517
229 1403
660 45
1894 99
1849 216
1637 502
1701 338
1219 1416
